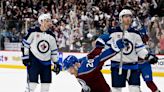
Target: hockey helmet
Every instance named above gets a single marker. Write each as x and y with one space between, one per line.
69 61
124 12
43 17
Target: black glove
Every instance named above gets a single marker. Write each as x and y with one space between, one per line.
152 59
26 62
25 58
57 68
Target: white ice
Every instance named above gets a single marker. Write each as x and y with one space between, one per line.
14 80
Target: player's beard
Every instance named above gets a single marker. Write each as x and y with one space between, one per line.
128 22
126 25
45 27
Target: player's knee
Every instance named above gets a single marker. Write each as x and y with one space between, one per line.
114 89
134 88
45 87
31 87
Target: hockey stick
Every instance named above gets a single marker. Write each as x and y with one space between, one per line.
121 58
28 80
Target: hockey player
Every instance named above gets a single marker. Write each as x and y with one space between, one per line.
39 49
128 56
145 67
88 72
146 71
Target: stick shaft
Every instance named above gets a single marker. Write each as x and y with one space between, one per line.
28 80
121 58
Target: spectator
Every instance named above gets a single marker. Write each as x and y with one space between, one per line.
91 17
76 38
153 34
161 42
15 35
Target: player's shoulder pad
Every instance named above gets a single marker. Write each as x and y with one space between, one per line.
114 29
33 29
118 29
132 30
50 33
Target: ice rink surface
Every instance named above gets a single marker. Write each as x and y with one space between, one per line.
14 80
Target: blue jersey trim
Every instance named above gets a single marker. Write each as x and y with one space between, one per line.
25 57
54 50
125 66
118 29
140 46
24 41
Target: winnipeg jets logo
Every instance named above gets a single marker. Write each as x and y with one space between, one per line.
129 47
85 87
43 46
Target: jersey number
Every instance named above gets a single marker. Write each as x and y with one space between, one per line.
90 63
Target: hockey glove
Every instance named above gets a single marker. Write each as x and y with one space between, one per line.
26 61
57 68
122 43
152 59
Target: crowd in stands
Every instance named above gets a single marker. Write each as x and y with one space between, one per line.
77 23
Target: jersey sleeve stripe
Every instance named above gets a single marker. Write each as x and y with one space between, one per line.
54 50
101 41
139 46
26 45
26 42
107 57
54 54
25 57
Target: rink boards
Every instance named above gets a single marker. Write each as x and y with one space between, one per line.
12 59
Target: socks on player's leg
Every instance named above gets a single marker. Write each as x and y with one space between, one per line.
134 88
114 89
31 87
152 86
45 87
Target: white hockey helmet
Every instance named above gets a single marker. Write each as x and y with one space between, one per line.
43 17
124 12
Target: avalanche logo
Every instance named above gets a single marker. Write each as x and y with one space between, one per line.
129 47
43 46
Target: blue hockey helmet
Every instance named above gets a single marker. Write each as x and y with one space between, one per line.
69 61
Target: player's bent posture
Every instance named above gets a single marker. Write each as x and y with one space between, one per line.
129 55
88 72
39 49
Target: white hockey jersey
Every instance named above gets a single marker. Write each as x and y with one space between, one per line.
135 48
41 44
